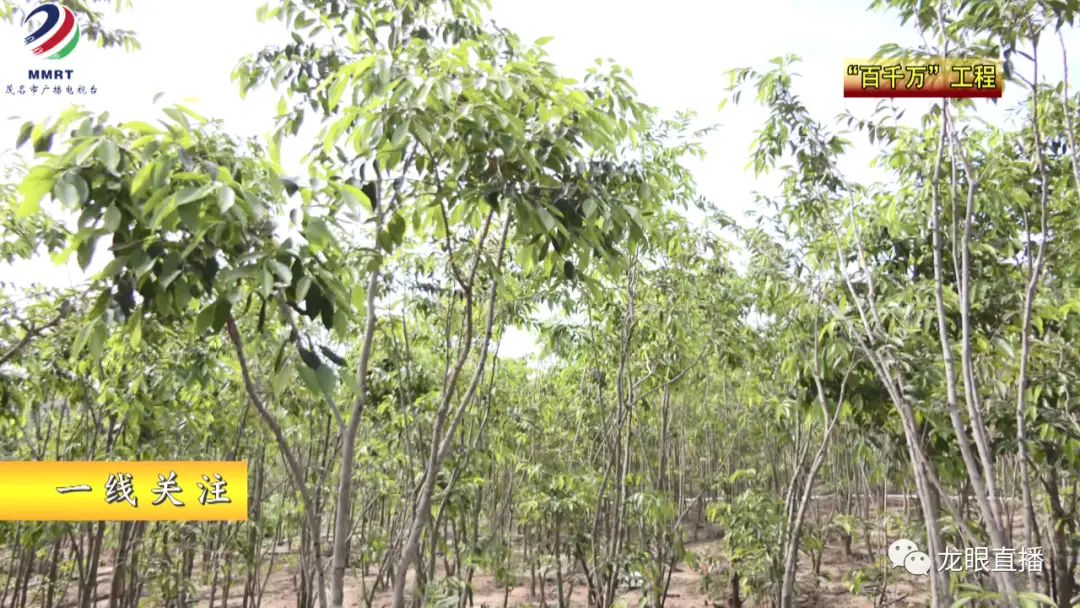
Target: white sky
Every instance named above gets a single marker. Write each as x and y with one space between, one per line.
678 51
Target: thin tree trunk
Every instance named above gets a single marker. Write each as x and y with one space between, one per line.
342 523
791 553
441 442
310 514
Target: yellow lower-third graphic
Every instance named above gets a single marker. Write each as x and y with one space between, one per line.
131 490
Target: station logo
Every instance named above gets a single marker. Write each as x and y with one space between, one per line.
57 35
54 34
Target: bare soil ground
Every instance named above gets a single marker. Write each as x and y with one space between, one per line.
686 589
689 587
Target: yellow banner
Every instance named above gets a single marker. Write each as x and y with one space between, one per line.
925 77
129 490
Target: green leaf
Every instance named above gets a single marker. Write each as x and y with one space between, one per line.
267 286
302 286
422 134
547 219
97 341
85 253
396 228
221 314
112 218
35 185
309 378
358 68
141 127
109 154
141 178
24 134
190 216
354 197
191 113
341 325
44 144
326 313
281 270
136 331
82 338
81 187
399 133
66 193
317 233
205 318
589 207
188 194
310 359
327 379
385 241
281 380
275 146
1037 598
336 91
162 211
226 197
334 357
112 268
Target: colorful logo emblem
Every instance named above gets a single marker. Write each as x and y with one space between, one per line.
58 34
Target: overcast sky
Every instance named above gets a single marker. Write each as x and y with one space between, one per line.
678 51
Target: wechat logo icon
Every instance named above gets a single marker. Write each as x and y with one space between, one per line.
905 554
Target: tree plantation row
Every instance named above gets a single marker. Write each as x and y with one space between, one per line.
725 411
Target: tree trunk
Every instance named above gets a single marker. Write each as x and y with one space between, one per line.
343 522
440 441
791 553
